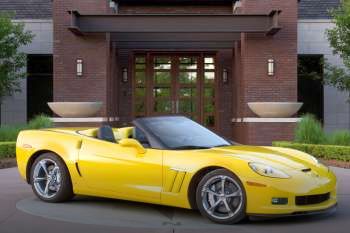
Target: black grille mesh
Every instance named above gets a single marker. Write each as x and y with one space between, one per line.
311 199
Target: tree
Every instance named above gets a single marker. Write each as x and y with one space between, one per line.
339 38
12 61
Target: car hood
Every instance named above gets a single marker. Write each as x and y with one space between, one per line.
273 156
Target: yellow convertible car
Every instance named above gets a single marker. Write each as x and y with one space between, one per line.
174 161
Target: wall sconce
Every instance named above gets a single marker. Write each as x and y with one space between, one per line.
125 75
270 67
224 75
79 67
113 5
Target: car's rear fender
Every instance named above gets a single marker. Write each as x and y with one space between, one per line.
32 143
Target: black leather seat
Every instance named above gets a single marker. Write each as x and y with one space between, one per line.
106 133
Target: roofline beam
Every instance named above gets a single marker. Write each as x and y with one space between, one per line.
175 23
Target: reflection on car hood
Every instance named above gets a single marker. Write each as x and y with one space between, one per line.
273 156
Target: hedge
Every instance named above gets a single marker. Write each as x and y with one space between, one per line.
341 153
7 149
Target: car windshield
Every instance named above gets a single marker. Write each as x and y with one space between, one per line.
182 133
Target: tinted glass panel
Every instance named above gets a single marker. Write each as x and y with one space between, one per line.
140 92
209 121
209 77
209 92
209 63
140 77
188 63
188 77
209 107
162 77
140 106
161 92
187 106
162 106
188 92
162 63
173 132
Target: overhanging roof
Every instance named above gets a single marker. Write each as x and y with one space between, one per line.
174 23
167 2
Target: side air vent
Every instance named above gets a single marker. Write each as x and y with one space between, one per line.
174 181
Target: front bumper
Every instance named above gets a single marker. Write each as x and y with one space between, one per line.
329 210
259 199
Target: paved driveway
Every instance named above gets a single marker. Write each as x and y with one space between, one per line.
21 212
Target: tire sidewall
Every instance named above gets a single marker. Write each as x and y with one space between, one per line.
65 192
241 214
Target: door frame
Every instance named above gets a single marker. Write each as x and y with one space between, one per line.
148 72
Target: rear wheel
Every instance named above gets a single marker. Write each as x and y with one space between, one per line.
50 179
221 197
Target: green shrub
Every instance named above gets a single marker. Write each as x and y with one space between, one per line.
341 153
39 122
341 138
309 130
7 149
9 133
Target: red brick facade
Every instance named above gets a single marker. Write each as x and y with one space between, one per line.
69 47
253 83
246 62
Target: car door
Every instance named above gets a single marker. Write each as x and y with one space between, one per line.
108 169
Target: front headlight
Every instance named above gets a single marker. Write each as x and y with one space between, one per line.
266 170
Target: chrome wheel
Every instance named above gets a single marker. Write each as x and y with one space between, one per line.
222 197
47 178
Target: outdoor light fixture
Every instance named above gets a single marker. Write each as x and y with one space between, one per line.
270 67
79 67
125 75
113 5
224 75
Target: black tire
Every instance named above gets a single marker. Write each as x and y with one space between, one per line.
239 213
65 192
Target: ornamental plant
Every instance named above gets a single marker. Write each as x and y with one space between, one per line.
339 39
12 61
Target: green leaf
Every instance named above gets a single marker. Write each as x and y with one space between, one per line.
12 61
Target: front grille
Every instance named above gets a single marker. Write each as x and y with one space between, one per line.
311 199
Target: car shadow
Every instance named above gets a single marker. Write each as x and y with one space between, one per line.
170 212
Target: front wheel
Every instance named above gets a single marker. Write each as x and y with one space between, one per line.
220 196
50 179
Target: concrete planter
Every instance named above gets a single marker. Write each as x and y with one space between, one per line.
75 109
275 109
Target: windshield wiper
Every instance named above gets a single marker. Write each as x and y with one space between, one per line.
189 147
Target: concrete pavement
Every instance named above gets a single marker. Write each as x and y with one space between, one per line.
20 211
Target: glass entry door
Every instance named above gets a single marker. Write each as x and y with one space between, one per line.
184 84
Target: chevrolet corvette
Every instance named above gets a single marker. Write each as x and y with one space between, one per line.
173 161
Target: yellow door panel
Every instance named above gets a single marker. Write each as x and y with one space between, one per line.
111 168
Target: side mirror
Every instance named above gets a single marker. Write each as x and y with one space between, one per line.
128 142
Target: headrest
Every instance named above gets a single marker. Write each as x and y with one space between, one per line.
106 133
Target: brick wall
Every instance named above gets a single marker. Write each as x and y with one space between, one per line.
253 83
257 49
69 47
263 133
250 81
